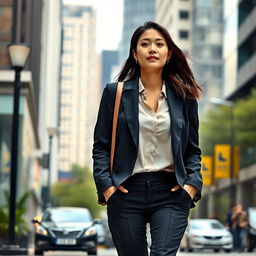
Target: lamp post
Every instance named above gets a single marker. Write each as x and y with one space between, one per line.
51 132
18 55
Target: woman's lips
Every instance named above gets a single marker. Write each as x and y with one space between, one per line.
152 58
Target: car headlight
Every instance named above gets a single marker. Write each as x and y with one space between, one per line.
42 231
90 231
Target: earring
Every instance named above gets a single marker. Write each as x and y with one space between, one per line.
136 61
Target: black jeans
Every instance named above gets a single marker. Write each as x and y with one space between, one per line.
149 200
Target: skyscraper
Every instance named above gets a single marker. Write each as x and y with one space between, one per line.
176 16
108 60
197 28
240 48
79 86
207 44
135 14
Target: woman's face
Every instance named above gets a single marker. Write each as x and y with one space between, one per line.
152 52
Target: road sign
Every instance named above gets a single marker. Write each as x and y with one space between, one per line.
222 161
206 170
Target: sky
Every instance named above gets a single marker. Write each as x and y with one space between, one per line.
109 21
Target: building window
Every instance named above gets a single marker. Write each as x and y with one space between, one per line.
183 34
184 15
216 71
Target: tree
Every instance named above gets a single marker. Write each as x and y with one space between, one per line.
245 121
216 125
79 191
215 128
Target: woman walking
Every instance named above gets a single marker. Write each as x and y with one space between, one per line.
156 170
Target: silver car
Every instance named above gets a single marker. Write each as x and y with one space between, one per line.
206 234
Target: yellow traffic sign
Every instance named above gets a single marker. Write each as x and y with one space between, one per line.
222 161
206 170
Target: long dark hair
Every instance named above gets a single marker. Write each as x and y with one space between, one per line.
177 70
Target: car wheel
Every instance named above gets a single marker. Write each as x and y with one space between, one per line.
39 252
92 252
216 250
227 250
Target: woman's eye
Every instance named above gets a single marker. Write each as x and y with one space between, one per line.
160 44
144 44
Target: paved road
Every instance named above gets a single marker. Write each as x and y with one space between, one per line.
111 252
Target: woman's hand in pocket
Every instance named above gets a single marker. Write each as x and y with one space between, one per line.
191 190
111 190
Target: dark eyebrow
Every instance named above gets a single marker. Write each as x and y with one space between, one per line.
148 39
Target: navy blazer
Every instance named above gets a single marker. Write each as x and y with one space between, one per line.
184 136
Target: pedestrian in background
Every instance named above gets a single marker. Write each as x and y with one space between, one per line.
156 171
228 220
239 221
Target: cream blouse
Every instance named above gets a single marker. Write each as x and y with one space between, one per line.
155 150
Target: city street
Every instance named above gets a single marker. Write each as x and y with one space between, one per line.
129 118
111 252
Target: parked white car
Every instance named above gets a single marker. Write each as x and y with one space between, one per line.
206 234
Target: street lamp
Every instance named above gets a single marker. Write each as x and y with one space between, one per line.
51 133
18 55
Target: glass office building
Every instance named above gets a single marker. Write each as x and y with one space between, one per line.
135 14
207 37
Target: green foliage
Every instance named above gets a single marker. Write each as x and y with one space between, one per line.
245 121
4 219
216 126
78 192
21 226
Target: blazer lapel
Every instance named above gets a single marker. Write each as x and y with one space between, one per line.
130 100
175 104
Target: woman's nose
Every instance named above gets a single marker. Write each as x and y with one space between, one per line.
152 48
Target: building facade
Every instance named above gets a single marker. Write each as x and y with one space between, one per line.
239 78
240 53
30 24
207 47
108 60
177 17
197 28
135 14
49 89
34 20
16 27
79 86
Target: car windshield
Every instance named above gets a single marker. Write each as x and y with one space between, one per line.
205 225
67 216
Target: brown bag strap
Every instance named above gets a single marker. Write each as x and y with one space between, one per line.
115 117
